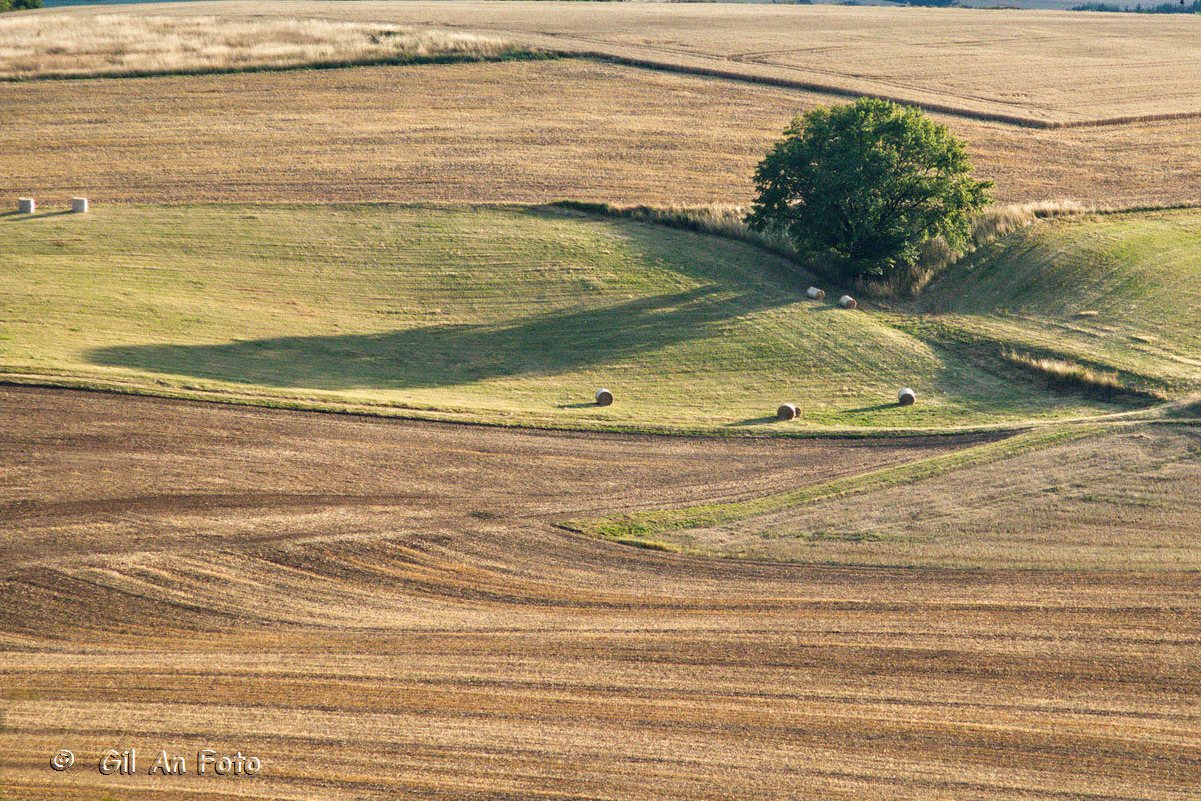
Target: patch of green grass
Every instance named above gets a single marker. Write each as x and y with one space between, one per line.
1118 293
840 536
504 315
650 545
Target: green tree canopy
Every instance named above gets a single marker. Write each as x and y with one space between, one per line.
17 5
867 181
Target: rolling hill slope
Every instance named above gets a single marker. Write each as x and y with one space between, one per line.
1122 292
501 314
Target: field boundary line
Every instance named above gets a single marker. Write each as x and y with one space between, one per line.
834 90
641 528
412 413
517 54
541 47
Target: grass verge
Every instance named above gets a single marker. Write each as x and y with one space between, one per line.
650 525
110 45
936 256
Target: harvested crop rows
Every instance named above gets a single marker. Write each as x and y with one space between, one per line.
384 609
1040 68
479 132
436 639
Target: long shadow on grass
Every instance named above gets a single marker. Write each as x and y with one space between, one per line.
447 355
20 216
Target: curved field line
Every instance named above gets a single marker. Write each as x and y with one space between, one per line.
643 527
844 92
440 639
662 56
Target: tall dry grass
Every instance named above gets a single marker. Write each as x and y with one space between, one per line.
50 46
1065 374
990 225
728 221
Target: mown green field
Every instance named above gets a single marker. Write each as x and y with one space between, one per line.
1120 292
517 315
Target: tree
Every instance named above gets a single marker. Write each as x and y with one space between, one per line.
868 182
17 5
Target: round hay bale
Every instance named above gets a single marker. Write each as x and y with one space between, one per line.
604 397
815 293
787 412
79 205
847 302
907 397
27 205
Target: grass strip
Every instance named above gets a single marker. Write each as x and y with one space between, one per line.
401 60
643 526
398 410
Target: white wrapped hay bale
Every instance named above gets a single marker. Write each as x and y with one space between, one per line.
79 205
786 412
847 302
907 397
27 205
604 397
816 293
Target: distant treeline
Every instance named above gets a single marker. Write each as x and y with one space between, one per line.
1162 8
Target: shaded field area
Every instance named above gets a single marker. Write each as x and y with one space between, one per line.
379 609
1043 67
500 314
481 132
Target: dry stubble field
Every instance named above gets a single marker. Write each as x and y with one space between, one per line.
481 132
1039 68
383 610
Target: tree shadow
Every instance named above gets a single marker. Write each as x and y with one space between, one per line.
447 355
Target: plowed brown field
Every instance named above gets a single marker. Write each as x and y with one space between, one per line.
384 610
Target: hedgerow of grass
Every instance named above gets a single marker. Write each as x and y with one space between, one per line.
992 224
1061 373
103 46
729 221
